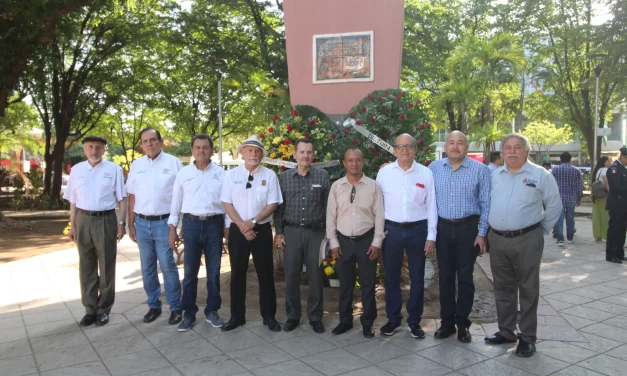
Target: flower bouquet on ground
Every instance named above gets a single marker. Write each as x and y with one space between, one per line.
328 266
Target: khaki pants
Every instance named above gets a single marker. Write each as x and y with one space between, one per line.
97 249
515 264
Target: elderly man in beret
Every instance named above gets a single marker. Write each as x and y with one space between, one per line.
95 188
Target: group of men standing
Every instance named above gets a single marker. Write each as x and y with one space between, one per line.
454 208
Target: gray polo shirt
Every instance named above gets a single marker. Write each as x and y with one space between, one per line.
523 199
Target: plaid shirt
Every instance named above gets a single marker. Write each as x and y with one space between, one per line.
463 192
304 198
568 179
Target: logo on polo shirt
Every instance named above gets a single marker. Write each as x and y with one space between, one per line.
165 171
107 175
530 182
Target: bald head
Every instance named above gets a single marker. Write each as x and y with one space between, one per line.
405 149
456 146
404 138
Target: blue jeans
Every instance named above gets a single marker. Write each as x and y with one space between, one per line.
202 237
569 213
152 239
412 240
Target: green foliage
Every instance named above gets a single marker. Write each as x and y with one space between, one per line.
16 126
543 135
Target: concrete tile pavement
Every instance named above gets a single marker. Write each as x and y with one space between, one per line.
582 327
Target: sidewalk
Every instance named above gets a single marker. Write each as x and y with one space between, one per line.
582 317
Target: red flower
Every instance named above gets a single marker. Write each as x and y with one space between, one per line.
428 125
363 109
283 168
385 93
420 142
402 116
287 142
410 106
380 99
377 154
284 158
427 163
370 97
402 93
346 131
355 142
388 135
373 119
333 137
306 135
417 101
312 122
387 111
294 113
270 130
314 160
290 128
276 117
398 97
428 148
358 122
353 114
386 161
422 126
262 136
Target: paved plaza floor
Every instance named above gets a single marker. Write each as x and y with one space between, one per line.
582 318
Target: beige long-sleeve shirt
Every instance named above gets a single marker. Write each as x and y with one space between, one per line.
358 217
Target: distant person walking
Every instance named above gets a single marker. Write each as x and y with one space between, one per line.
600 215
568 179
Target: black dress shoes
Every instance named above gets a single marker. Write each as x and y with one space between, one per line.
444 332
272 324
525 349
498 339
624 259
317 326
102 319
463 335
232 324
290 325
368 331
342 328
615 260
175 317
152 315
87 320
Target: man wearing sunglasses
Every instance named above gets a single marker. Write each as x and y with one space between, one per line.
411 221
299 225
355 224
250 195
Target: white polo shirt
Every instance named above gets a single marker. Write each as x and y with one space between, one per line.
197 192
95 188
152 183
409 196
250 202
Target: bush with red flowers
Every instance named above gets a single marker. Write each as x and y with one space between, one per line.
387 114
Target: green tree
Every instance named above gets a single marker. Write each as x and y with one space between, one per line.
543 135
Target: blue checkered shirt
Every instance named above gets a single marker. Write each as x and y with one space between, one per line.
463 192
568 179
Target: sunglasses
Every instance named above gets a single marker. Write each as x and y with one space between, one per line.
250 178
353 194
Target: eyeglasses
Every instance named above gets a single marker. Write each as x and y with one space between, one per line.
404 147
353 194
250 178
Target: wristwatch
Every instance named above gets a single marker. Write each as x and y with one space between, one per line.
254 221
255 225
121 223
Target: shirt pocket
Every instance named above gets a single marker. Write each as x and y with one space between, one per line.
531 195
261 195
418 194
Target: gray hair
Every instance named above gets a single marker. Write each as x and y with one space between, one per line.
525 141
413 140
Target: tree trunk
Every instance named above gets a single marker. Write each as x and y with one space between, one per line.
57 181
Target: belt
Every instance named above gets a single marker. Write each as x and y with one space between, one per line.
306 226
204 217
153 217
405 224
458 221
358 237
96 213
513 234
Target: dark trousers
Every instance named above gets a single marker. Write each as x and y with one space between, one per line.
239 253
96 239
616 235
202 237
303 246
456 258
398 241
355 252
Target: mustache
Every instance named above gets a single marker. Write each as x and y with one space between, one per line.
512 155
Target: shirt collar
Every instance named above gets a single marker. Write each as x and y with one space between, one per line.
155 159
525 167
413 166
465 162
344 180
90 167
294 171
209 166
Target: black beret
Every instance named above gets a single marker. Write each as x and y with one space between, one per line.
623 151
98 139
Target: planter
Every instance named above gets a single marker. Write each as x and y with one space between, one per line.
334 282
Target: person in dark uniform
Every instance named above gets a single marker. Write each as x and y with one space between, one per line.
617 206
